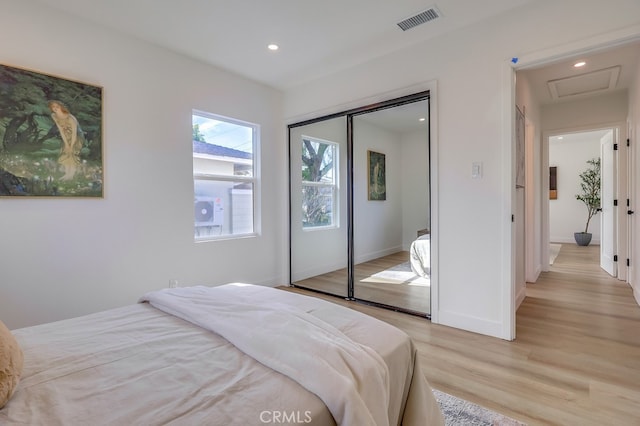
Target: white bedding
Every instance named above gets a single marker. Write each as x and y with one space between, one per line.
354 383
420 256
139 366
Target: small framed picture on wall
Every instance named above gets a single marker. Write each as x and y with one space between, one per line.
377 182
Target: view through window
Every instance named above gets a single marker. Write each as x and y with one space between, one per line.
319 183
224 176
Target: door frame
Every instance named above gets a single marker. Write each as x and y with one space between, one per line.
425 91
620 245
509 68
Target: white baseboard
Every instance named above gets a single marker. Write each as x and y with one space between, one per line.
535 275
376 254
315 271
473 324
520 296
563 240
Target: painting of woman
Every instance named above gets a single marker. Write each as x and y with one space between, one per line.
72 138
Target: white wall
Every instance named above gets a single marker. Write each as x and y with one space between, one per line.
586 114
48 272
415 190
377 225
468 65
65 257
566 214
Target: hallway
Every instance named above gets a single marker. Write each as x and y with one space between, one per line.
581 326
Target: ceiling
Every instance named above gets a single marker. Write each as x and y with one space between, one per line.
400 119
606 71
316 38
578 137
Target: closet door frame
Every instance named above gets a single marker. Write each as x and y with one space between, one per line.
350 114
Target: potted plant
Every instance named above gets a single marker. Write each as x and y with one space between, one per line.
590 196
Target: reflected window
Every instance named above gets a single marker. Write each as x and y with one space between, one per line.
224 176
319 183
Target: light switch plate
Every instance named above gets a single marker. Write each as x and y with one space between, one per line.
476 170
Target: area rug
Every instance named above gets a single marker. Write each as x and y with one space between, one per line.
398 274
554 250
460 412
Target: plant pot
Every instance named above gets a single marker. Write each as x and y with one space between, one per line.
582 238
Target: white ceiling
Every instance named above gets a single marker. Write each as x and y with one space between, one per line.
606 71
315 37
400 119
579 137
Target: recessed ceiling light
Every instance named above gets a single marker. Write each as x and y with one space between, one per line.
273 46
579 64
422 119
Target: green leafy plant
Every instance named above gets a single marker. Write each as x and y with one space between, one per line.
590 186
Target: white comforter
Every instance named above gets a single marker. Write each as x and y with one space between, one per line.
350 378
139 366
420 255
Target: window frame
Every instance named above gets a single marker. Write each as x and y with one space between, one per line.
254 179
335 186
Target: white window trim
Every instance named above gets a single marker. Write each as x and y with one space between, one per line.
255 179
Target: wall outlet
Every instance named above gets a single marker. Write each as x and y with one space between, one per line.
173 283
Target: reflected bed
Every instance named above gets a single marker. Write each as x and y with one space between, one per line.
420 255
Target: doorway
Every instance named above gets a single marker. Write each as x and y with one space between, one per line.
360 204
558 110
571 154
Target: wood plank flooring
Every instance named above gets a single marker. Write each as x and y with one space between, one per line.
404 295
575 360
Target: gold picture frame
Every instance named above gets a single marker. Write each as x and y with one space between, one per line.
377 178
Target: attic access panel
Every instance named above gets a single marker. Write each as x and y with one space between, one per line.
584 84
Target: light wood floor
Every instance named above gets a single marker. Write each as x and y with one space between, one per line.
404 295
575 360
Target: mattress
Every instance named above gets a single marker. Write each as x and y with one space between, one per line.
138 365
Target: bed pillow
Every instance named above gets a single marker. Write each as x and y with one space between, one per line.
11 362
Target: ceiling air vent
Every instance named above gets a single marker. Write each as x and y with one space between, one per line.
420 18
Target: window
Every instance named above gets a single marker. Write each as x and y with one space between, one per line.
319 183
224 176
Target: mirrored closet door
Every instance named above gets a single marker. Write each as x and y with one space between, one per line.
359 204
318 199
391 235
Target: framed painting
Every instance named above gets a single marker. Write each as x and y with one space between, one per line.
553 183
377 182
50 136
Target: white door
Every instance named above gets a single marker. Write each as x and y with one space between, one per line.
608 195
631 189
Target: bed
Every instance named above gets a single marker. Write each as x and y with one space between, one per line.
237 354
420 255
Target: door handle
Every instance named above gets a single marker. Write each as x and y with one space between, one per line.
629 211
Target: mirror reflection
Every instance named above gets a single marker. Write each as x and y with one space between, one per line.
318 153
391 207
360 211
